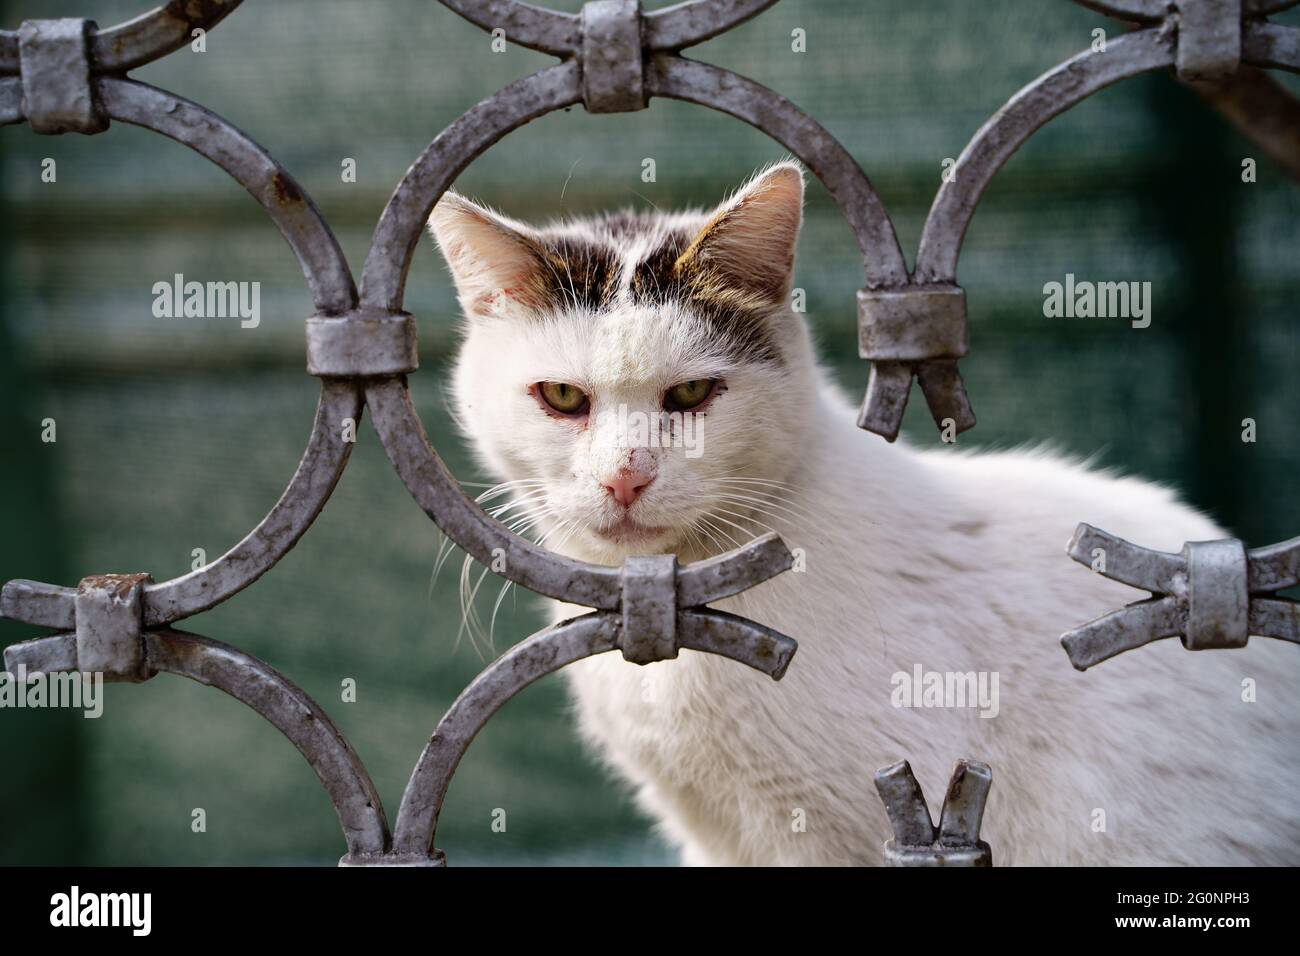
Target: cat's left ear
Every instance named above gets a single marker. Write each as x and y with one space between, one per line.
748 243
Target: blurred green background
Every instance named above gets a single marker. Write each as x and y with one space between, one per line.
181 434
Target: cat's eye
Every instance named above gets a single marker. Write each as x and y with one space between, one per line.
688 395
564 398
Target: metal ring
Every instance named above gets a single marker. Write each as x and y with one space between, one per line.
560 34
332 291
134 43
402 224
712 632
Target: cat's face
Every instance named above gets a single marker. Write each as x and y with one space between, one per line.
640 378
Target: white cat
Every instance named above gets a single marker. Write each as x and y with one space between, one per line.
943 559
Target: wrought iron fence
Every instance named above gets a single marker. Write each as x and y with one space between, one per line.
68 76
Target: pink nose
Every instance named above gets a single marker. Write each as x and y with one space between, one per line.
627 486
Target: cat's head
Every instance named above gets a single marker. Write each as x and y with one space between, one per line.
641 377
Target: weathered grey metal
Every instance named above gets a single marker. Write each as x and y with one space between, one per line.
1218 604
362 343
1214 594
1151 11
613 71
537 28
908 332
109 613
913 323
137 42
694 21
649 608
260 687
1209 38
917 842
705 630
1272 46
54 57
551 31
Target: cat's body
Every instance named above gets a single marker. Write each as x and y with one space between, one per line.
948 561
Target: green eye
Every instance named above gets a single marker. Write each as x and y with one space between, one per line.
564 398
687 395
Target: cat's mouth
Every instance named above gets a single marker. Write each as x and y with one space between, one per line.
627 531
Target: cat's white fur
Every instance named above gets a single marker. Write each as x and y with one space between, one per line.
947 559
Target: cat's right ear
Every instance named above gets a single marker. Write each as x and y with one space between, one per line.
495 264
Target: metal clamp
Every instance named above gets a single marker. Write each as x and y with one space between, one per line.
110 636
54 59
1213 594
613 64
363 342
917 842
1209 38
911 331
649 608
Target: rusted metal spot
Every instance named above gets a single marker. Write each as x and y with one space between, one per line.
285 189
195 13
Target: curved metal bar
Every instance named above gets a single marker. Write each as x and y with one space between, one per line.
766 110
729 635
729 574
332 291
1047 97
543 653
1271 45
296 216
1128 563
713 632
48 605
560 34
537 28
467 524
383 277
694 21
264 689
1274 567
1275 617
1151 11
136 42
312 483
1123 630
1143 11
